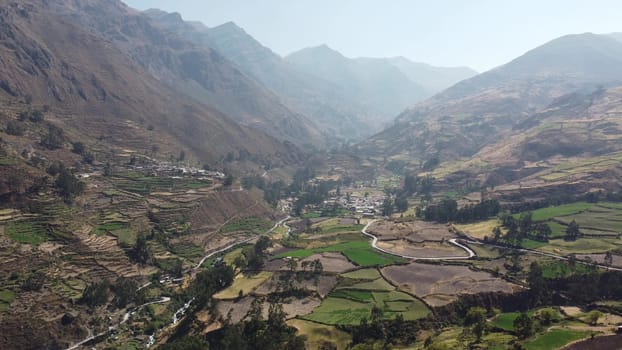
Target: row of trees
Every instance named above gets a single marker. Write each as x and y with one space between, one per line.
447 210
257 333
124 293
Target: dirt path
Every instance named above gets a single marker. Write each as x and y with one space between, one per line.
453 241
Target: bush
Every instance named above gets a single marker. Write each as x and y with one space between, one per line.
15 128
96 294
54 139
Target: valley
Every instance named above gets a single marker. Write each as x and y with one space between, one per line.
168 184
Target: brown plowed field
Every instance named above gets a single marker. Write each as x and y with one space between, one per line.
441 284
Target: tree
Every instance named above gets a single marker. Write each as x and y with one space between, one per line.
537 286
547 316
401 204
15 128
525 222
140 251
593 317
34 282
387 207
186 343
68 184
476 319
78 147
523 326
54 138
125 291
572 231
228 180
96 293
543 231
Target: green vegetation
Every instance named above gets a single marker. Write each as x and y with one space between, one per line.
252 224
359 252
505 321
560 210
354 294
319 334
557 269
27 232
362 274
555 339
6 298
109 227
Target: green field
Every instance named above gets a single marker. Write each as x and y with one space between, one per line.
363 274
555 339
558 269
251 224
548 213
6 298
359 252
505 321
108 227
599 222
353 294
342 311
27 232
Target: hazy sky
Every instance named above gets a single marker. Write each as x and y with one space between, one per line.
481 34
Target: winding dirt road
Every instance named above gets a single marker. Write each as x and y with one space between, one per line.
374 244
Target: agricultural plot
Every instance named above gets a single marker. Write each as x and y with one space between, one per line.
425 249
27 232
244 284
250 224
318 333
555 339
441 284
292 307
6 298
322 285
359 252
332 262
580 246
359 291
479 230
414 231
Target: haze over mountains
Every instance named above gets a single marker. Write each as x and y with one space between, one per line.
476 125
204 87
349 98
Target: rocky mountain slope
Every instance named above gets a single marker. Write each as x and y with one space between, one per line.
479 111
51 59
195 70
347 98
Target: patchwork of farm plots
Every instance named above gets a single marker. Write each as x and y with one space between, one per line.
358 292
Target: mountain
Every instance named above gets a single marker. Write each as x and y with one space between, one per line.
318 99
364 94
197 71
47 57
378 87
514 127
475 112
434 79
617 36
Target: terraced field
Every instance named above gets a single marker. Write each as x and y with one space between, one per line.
358 292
